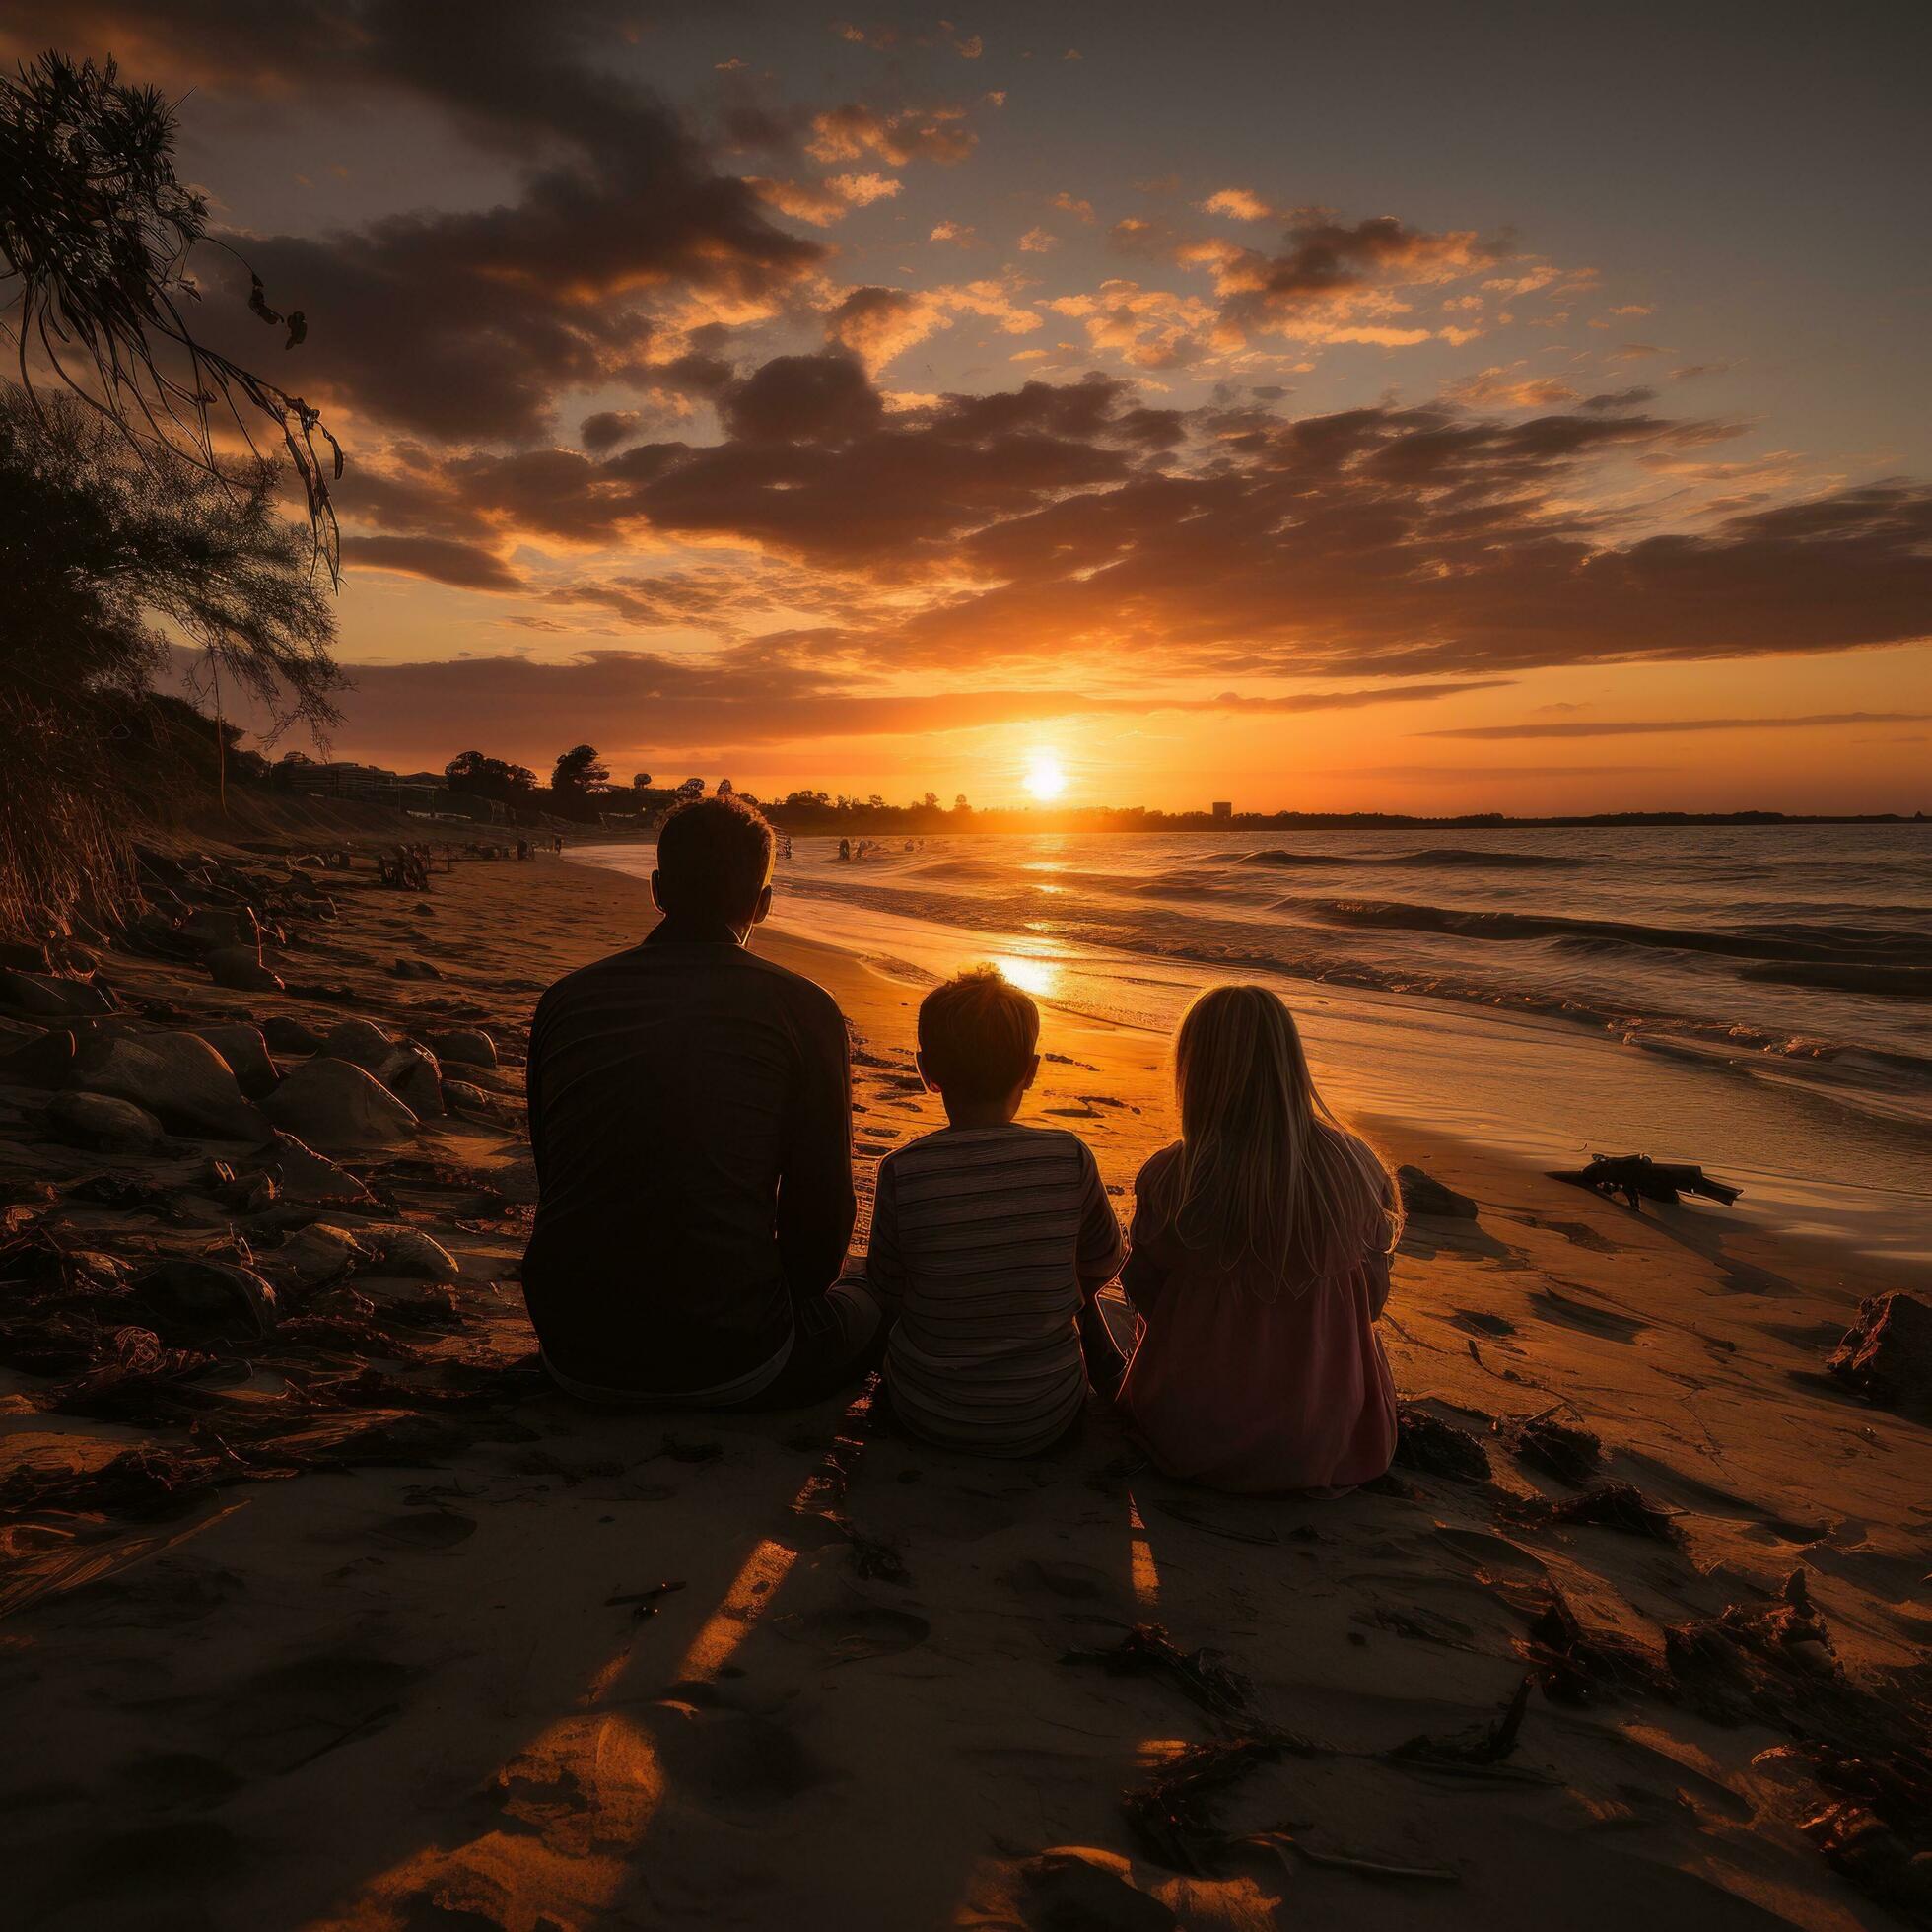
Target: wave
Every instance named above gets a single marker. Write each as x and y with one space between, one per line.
1783 943
1433 856
1846 976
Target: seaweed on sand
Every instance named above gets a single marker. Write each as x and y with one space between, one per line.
1480 1744
1172 1814
1437 1448
1610 1506
1578 1666
1560 1449
1146 1650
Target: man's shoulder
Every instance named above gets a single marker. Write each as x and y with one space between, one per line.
582 978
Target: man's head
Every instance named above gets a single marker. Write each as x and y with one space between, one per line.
715 865
977 1040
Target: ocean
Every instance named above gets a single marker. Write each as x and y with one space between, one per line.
1755 999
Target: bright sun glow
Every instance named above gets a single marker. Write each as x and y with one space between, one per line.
1045 776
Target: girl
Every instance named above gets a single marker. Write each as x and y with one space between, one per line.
1260 1260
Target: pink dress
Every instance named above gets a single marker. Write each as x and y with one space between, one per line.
1249 1394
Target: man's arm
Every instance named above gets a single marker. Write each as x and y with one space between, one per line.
533 1090
816 1206
885 1265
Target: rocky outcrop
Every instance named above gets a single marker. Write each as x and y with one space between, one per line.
335 1105
411 1073
404 1250
179 1078
241 969
189 1300
52 995
361 1042
246 1053
285 1033
465 1047
103 1124
306 1176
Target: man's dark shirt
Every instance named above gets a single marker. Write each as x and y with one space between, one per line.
691 1122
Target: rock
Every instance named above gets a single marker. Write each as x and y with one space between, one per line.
1887 1353
246 1053
1074 1889
100 1122
207 1299
319 1253
361 1042
304 1175
284 1033
416 969
52 995
465 1047
178 1077
336 1104
411 1073
1424 1194
241 968
213 930
460 1097
44 1061
403 1250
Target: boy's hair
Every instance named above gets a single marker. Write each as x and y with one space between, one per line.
977 1035
714 857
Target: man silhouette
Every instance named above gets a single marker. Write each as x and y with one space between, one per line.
691 1123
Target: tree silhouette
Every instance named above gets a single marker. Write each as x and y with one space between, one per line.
490 778
579 773
95 232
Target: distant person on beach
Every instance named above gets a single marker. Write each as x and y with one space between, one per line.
990 1241
691 1124
1261 1245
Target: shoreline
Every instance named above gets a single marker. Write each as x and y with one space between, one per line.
409 1640
1532 1089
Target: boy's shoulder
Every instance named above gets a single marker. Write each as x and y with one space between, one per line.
975 1145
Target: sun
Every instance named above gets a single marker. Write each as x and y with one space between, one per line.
1045 776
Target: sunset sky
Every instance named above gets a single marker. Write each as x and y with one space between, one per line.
1420 407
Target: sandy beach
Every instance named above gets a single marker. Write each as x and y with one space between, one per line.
349 1622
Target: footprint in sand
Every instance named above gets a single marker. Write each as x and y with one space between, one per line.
1045 1580
848 1633
1472 1321
280 1719
732 1760
425 1529
1587 1318
174 1780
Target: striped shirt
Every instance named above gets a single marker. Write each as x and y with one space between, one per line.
986 1241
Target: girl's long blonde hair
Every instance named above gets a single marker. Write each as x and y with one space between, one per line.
1268 1183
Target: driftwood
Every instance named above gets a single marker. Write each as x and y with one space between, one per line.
1638 1178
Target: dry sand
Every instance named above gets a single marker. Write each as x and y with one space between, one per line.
448 1693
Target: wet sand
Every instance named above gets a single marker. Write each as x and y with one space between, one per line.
416 1643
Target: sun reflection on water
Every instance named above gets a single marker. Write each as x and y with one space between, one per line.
1039 977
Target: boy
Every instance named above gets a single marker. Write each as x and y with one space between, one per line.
990 1241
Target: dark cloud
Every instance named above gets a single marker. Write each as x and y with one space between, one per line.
604 432
1646 728
1056 518
437 558
1330 279
466 324
803 400
642 701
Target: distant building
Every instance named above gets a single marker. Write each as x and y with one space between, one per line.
1223 808
370 784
